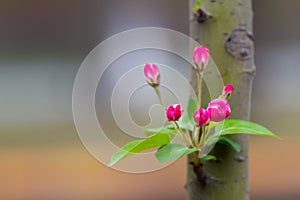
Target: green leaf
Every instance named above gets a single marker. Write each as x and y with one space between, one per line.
235 126
172 151
167 130
138 146
229 142
208 157
186 121
195 9
192 107
198 3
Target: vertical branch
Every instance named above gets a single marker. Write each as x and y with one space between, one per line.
227 34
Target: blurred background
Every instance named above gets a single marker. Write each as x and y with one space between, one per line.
42 45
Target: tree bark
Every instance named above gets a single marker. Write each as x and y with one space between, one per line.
225 28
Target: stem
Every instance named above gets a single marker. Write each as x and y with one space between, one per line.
193 136
197 135
188 137
199 85
202 137
159 97
176 126
196 159
207 130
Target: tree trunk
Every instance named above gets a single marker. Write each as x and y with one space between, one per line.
225 28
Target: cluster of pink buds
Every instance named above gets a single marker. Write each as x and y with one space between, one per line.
199 129
217 110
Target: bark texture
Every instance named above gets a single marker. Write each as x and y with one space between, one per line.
226 30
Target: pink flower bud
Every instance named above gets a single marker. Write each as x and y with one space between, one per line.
174 112
201 57
219 110
227 90
201 117
152 74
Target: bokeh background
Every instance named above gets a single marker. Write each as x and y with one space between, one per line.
42 44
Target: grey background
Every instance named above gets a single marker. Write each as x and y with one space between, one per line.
42 44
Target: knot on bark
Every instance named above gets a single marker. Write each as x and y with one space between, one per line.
240 44
202 16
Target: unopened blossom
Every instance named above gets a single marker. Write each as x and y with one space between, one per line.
227 90
219 110
201 117
200 57
152 74
174 112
